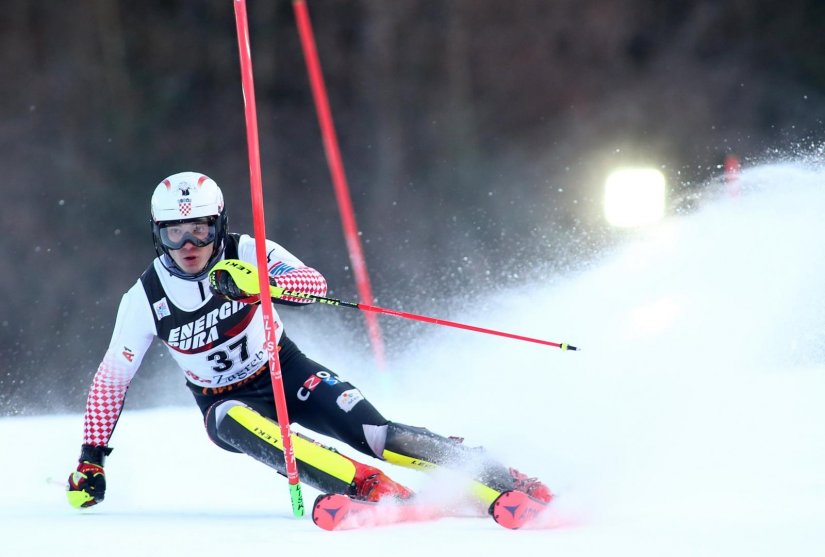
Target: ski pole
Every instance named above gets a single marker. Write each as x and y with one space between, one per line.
260 252
246 278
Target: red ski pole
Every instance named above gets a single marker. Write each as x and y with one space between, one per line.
260 252
247 278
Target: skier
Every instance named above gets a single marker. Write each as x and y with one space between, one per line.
215 335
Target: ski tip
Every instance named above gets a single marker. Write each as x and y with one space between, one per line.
514 509
329 510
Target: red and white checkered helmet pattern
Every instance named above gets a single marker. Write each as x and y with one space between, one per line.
186 195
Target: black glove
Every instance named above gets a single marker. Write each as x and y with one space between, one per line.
87 484
222 284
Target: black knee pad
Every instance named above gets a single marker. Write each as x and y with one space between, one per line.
214 416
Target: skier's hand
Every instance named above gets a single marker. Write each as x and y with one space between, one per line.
275 291
222 284
87 485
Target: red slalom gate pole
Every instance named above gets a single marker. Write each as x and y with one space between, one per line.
260 253
732 170
336 169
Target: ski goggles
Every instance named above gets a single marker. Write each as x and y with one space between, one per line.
198 233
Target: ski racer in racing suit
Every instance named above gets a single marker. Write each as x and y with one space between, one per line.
218 342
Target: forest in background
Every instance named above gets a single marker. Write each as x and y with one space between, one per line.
475 133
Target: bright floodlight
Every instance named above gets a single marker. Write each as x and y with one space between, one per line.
634 197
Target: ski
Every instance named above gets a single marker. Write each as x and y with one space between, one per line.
511 509
339 512
516 509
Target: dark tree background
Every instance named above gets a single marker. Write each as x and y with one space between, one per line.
476 135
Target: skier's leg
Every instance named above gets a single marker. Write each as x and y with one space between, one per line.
237 426
336 408
242 418
418 447
321 401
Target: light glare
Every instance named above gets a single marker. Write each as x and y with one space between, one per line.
634 197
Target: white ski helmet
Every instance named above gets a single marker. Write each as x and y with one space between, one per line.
185 197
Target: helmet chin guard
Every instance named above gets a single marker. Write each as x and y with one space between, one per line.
185 197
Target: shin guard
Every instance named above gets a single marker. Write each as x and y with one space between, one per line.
318 466
419 448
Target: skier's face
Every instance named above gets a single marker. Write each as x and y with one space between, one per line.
191 259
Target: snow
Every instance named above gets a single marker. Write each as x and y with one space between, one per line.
689 424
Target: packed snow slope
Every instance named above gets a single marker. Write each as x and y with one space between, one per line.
691 423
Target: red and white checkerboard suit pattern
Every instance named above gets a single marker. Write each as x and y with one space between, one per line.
105 401
306 280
